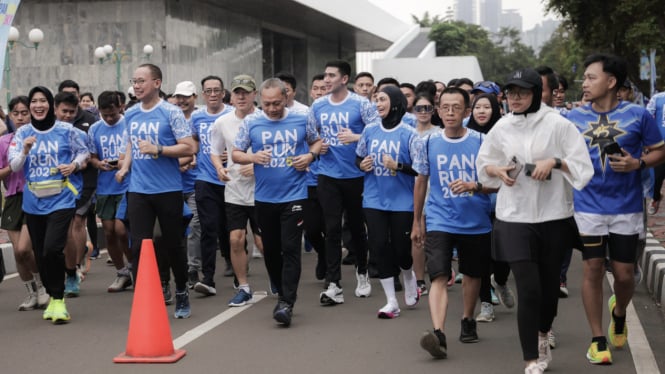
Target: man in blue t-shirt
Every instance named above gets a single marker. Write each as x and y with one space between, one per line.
279 139
157 135
608 211
656 107
340 118
208 189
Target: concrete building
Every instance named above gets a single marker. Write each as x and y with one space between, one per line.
465 10
541 33
194 38
511 18
489 14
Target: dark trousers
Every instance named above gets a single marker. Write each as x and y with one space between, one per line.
49 236
212 216
659 176
143 210
281 227
337 196
389 235
314 224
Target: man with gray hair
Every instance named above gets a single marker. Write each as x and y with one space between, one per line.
279 139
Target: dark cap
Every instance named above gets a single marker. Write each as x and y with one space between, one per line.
525 78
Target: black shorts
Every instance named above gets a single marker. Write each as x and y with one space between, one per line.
474 253
85 201
620 248
238 215
12 214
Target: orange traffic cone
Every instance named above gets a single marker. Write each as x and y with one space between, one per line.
149 338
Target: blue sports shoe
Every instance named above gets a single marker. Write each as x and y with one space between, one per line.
241 298
72 285
182 308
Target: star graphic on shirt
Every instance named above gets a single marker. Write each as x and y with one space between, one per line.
602 133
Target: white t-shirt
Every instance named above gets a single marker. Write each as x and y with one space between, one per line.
240 189
299 106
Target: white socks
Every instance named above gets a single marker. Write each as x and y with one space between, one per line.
410 287
388 285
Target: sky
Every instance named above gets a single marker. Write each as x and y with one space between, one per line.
532 11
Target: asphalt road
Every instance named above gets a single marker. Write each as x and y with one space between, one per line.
339 339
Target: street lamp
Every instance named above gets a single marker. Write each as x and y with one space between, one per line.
107 53
35 36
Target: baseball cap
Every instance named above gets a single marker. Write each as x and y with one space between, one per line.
486 87
525 78
185 88
244 81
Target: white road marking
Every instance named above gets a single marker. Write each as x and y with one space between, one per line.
215 321
640 350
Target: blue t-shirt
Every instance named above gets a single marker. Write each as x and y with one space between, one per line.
410 119
106 142
354 113
656 107
163 124
278 181
632 127
385 189
202 122
59 145
446 160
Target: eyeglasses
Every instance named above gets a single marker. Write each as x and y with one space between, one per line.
518 93
138 81
211 91
454 108
423 108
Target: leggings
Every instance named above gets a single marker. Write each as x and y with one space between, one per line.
389 234
501 270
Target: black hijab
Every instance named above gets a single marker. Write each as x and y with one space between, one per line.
397 107
496 113
49 121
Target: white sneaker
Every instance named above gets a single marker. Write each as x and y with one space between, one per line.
544 352
121 282
389 311
486 312
364 287
551 338
30 301
205 289
256 253
534 368
504 293
411 293
43 298
332 296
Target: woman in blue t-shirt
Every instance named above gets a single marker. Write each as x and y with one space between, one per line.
384 153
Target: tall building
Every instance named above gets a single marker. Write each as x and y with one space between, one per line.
465 10
489 14
511 18
541 33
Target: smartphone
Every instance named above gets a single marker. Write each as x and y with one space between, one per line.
528 169
612 148
113 162
518 168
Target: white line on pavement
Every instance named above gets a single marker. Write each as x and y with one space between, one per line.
215 321
640 349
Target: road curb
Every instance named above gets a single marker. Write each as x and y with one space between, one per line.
653 268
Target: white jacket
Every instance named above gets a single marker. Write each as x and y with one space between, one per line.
536 136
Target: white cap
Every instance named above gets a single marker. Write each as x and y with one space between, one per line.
185 88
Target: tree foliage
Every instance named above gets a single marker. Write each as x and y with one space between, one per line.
564 53
622 27
497 58
426 20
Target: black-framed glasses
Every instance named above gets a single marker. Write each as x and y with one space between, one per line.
139 81
454 108
518 93
423 108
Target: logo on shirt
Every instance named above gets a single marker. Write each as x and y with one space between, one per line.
602 133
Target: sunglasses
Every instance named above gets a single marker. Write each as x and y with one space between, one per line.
423 108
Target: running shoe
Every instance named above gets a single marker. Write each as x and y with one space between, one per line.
617 340
73 285
43 298
256 253
534 368
389 311
241 298
332 296
411 294
435 344
653 207
30 301
166 292
504 292
122 281
422 286
59 314
544 352
364 287
551 338
182 307
469 332
282 313
563 290
493 297
48 312
192 278
205 289
486 312
458 278
599 355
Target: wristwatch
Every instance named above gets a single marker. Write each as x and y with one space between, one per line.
643 164
557 163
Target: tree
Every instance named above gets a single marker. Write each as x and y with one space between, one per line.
622 27
564 53
426 20
496 59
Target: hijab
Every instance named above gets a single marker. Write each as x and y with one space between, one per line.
496 113
49 120
397 107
